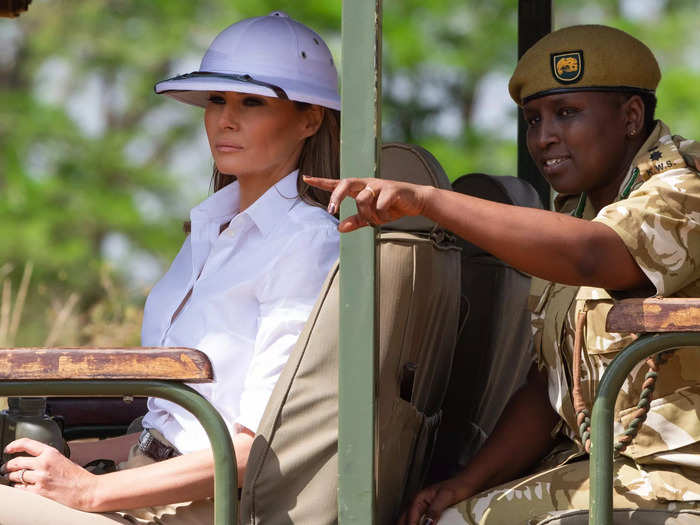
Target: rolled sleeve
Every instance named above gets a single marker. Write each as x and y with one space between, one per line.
660 225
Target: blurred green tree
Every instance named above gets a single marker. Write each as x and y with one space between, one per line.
97 172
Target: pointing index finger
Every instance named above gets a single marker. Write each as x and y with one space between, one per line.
346 188
319 182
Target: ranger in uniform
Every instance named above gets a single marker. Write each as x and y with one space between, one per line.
628 224
657 215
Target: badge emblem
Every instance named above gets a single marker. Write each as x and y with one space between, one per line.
567 68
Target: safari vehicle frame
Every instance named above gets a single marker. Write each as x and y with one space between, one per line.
28 374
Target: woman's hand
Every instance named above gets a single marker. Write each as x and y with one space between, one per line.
429 504
49 473
378 201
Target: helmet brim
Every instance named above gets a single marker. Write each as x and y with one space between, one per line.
195 89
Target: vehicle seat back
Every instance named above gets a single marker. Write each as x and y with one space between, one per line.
492 356
293 467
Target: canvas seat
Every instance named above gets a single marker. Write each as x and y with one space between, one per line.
492 356
293 467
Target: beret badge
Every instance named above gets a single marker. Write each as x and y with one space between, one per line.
567 68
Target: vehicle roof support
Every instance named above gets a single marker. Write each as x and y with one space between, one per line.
360 147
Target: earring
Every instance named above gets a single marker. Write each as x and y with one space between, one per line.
632 132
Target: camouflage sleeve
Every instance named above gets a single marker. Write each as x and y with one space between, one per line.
660 225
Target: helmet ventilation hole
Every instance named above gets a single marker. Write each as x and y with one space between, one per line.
303 54
316 41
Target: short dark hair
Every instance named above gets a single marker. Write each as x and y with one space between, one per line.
649 101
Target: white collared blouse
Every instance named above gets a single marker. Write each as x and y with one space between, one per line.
247 293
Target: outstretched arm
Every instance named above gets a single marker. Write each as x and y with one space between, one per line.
549 245
521 437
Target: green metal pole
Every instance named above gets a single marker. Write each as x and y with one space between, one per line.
360 140
225 472
601 466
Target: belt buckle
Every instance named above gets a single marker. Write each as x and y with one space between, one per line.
153 448
145 441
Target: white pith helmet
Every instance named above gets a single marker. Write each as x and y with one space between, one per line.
271 55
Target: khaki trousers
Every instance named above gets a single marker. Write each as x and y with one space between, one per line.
18 507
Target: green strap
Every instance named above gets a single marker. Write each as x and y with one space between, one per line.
628 189
578 213
581 206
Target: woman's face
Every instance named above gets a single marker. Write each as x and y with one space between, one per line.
257 136
578 140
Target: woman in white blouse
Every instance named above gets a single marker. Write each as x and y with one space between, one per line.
240 289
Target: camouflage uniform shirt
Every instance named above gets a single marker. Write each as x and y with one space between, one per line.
659 222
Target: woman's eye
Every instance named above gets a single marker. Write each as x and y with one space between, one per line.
253 101
217 99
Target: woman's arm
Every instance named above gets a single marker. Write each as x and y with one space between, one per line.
546 244
521 437
183 478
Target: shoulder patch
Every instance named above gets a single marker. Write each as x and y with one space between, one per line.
665 153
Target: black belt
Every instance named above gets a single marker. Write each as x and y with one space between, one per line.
150 446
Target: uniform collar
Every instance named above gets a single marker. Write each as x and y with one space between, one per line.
272 206
658 154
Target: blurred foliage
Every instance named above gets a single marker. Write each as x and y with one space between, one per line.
96 172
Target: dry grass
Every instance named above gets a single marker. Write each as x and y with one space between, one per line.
115 320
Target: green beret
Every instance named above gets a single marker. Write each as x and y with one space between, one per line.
584 58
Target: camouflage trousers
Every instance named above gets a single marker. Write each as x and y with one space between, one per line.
559 496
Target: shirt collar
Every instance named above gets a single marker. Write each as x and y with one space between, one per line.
272 206
656 155
219 206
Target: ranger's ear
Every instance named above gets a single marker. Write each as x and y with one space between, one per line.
633 109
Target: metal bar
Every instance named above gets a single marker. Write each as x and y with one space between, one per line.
534 21
360 140
601 465
225 472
